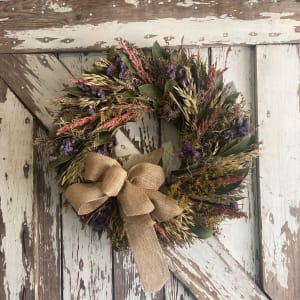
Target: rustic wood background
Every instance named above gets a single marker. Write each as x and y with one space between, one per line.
44 253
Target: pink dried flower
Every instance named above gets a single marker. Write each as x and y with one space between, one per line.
136 62
76 123
116 121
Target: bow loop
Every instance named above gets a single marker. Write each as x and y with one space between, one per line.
96 165
147 176
113 180
134 200
92 199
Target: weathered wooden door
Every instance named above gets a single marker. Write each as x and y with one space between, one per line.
44 253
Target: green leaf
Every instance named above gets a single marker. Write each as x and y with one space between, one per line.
186 170
149 90
157 51
202 232
101 139
231 98
219 82
221 190
128 94
74 91
52 131
126 61
59 161
240 145
169 87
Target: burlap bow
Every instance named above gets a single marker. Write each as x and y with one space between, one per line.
138 196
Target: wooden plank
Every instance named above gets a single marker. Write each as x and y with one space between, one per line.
87 260
35 79
51 25
210 272
47 237
278 72
16 199
241 236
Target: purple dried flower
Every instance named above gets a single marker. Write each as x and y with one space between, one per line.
121 67
66 147
52 157
234 205
240 121
188 151
100 94
181 75
109 69
228 135
243 125
171 71
102 151
91 110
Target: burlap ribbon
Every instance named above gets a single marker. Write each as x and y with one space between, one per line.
138 196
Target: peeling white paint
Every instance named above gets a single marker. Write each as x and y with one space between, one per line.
277 15
188 3
196 31
279 66
213 261
58 8
133 2
3 19
16 193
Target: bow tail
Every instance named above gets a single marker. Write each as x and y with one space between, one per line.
148 255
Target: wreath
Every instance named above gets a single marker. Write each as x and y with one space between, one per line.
136 203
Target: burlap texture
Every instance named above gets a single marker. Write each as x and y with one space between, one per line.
138 196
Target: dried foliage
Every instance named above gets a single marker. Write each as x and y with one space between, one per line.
217 145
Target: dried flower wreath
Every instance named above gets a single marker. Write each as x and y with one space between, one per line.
136 206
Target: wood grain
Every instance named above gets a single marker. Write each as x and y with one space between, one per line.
210 272
279 131
16 204
35 79
87 260
47 215
241 236
31 26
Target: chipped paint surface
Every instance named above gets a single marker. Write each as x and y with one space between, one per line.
30 80
189 3
196 31
58 8
194 266
16 192
279 66
133 2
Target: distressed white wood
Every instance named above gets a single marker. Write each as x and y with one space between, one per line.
278 74
225 29
16 204
240 236
211 272
87 260
47 225
35 79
